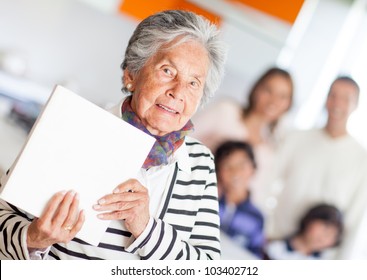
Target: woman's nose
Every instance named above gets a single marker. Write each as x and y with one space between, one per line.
177 90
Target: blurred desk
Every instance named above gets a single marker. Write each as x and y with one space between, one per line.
231 250
12 139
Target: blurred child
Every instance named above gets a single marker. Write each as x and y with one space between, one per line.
321 228
240 219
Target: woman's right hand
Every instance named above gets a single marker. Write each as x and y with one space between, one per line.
60 221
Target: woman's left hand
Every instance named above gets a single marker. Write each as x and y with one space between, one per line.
129 202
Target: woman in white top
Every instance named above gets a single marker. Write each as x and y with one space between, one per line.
269 99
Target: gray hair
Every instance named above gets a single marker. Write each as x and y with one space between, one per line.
164 27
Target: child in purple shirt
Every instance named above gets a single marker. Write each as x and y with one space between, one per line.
240 219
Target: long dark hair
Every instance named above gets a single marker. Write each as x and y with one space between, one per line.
263 78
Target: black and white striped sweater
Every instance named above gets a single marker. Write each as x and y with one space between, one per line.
187 226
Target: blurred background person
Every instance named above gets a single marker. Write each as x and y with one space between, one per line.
269 99
319 229
240 219
326 165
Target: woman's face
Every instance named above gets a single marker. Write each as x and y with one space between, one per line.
273 97
168 89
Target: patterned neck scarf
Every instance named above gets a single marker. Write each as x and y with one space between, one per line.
164 146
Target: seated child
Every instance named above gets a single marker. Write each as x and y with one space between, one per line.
240 219
320 228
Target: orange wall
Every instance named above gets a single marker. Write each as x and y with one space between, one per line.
284 9
140 9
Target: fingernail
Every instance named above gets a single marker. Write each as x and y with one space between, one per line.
100 215
116 190
72 192
77 196
101 201
96 206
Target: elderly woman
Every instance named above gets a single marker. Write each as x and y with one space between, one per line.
174 61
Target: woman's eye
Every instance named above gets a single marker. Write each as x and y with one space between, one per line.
167 71
194 84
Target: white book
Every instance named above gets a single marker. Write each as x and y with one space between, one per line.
77 145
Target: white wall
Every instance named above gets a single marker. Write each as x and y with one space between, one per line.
67 41
249 55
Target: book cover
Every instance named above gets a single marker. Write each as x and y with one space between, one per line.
77 145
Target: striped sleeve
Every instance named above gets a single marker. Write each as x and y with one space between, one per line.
162 240
13 227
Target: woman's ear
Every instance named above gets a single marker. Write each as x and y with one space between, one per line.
128 80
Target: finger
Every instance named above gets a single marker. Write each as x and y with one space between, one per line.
79 223
52 206
63 209
118 206
131 185
115 215
123 197
73 213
